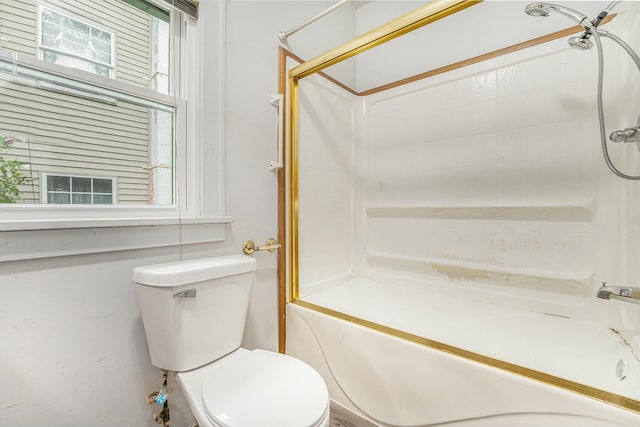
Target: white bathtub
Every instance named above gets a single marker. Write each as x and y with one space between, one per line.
396 382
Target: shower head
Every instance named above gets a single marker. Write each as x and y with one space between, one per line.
581 43
544 9
537 9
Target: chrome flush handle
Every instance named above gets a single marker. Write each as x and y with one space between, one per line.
189 293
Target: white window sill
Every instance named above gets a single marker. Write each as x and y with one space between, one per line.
34 239
62 224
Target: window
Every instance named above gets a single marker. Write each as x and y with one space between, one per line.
67 189
142 128
94 100
71 42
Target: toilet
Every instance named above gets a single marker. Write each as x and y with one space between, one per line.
194 315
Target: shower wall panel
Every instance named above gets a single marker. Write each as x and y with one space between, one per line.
486 175
326 184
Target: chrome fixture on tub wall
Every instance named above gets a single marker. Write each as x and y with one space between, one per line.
583 42
620 293
626 135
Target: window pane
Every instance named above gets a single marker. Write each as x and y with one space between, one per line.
101 70
76 28
51 57
113 135
84 190
50 16
51 30
69 61
50 41
81 199
74 48
80 64
102 186
100 199
58 183
101 38
81 185
141 57
68 131
100 46
56 198
101 57
78 40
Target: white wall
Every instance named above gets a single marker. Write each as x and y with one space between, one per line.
74 350
73 345
252 67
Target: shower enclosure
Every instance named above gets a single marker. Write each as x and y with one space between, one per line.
451 219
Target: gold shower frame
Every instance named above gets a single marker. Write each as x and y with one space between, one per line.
418 18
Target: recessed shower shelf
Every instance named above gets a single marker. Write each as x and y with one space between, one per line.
475 270
580 213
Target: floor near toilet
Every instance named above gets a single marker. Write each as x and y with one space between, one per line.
341 417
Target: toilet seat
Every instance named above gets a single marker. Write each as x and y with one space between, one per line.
266 389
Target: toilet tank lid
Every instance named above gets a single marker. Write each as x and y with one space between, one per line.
193 271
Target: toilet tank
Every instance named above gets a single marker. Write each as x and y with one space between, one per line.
194 311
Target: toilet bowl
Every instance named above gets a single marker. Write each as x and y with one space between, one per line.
194 314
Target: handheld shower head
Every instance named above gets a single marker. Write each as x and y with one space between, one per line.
544 9
537 9
580 43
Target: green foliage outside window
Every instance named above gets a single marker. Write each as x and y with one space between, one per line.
11 175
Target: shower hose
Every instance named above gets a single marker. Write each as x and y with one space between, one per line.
603 137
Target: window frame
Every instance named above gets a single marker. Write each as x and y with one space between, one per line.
42 48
